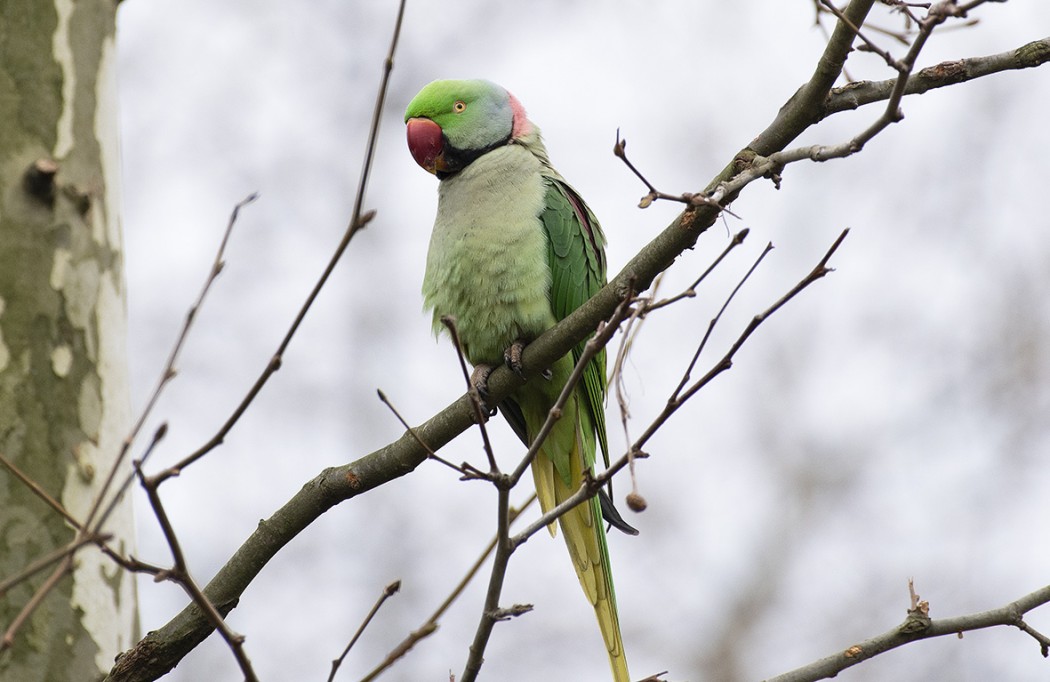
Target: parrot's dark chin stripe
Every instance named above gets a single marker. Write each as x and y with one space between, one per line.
458 159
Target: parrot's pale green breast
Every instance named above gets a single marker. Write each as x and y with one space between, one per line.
488 260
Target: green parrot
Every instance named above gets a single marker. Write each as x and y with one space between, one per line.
514 250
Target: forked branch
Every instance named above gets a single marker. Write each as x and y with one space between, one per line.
914 629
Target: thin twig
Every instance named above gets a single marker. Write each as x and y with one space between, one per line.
38 491
646 305
100 539
771 166
169 371
714 321
180 575
40 563
462 470
871 46
687 198
480 410
504 549
60 572
631 328
388 591
939 75
89 531
591 485
158 436
85 535
593 346
690 291
681 394
358 219
431 624
167 374
588 489
1011 614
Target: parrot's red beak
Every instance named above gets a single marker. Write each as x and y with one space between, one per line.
427 144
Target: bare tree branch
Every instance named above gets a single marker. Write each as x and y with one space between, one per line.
170 370
358 219
180 575
43 562
38 490
56 576
431 624
466 470
799 111
389 591
856 95
480 411
679 396
682 393
490 611
913 630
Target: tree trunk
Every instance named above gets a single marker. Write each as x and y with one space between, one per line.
63 372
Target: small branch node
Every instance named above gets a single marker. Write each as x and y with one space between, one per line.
687 198
365 218
510 612
1044 641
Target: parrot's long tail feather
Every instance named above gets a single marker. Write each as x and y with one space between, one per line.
585 538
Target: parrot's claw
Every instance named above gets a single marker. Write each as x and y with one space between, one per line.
512 356
479 379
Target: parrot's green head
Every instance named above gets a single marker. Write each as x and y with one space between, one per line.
451 123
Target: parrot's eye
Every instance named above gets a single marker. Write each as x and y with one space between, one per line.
459 107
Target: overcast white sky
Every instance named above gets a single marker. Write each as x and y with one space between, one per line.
890 423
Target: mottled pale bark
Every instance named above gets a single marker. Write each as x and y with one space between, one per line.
63 384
